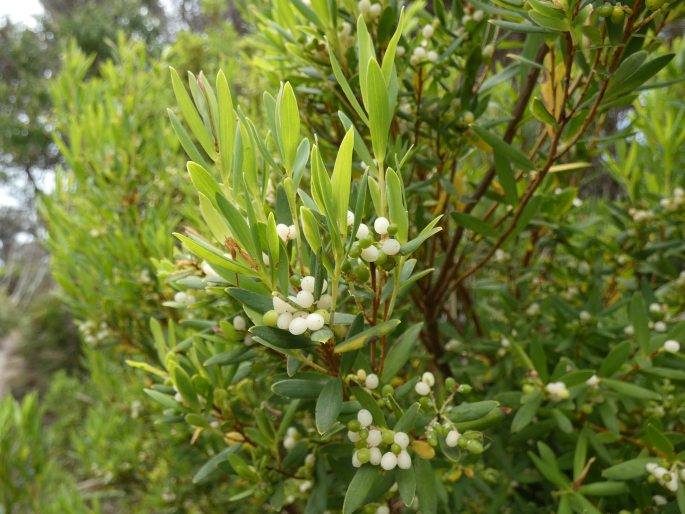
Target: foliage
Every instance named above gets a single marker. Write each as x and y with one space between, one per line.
293 302
112 206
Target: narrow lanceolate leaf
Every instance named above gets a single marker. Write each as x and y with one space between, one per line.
425 486
341 180
203 181
226 126
538 109
400 351
298 388
186 142
629 469
197 127
631 390
360 486
475 224
328 405
366 52
406 483
389 56
637 312
359 340
289 119
396 206
378 107
310 227
503 149
281 338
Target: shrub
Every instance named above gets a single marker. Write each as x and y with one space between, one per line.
302 366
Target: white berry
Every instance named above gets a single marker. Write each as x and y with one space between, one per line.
307 283
374 438
283 321
364 417
325 302
362 231
452 438
381 225
422 388
391 247
371 381
305 299
281 306
282 231
239 323
353 436
403 460
350 218
389 461
292 232
289 443
370 254
672 346
427 31
315 321
401 439
375 456
297 326
428 378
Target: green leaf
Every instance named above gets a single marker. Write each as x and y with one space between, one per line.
631 390
638 77
604 489
538 109
360 486
521 27
407 421
289 119
637 312
527 412
345 86
203 181
186 141
471 411
429 231
475 224
616 358
254 301
212 464
359 340
397 208
341 180
239 227
328 405
190 114
281 338
299 388
236 356
226 126
310 227
628 470
580 453
365 52
425 486
164 399
400 351
214 220
185 387
406 483
389 56
378 107
506 178
550 23
503 149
